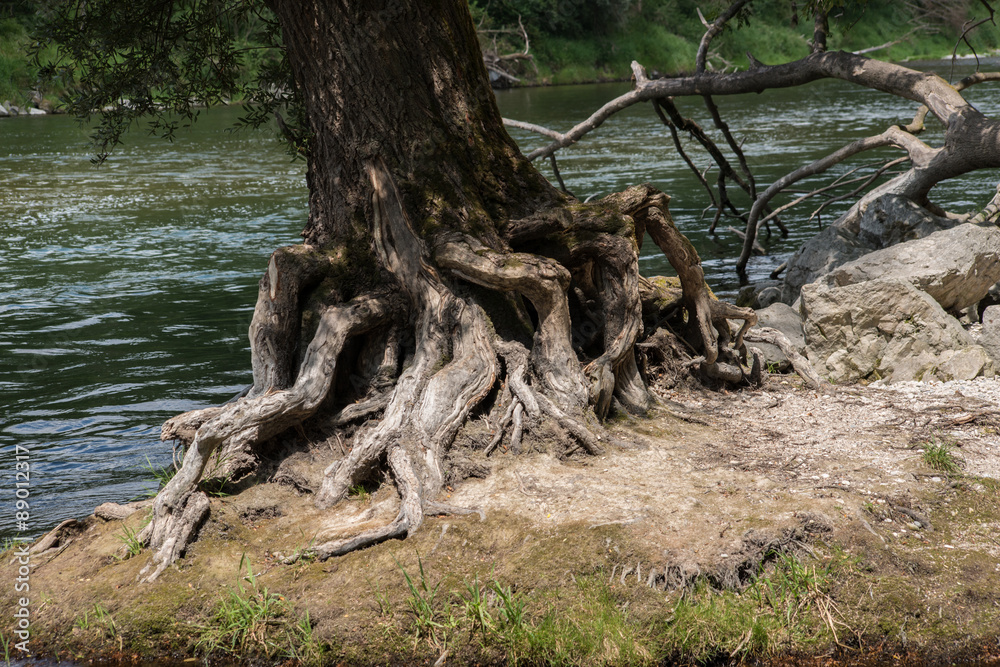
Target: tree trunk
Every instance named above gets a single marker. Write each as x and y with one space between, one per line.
442 275
402 83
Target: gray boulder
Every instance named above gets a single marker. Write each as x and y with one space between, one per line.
818 256
956 266
888 220
886 329
989 336
892 219
4 112
760 295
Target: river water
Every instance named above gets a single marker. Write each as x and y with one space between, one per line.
128 288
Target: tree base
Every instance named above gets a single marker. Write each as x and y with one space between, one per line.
539 335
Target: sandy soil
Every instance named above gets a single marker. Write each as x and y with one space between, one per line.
708 485
698 476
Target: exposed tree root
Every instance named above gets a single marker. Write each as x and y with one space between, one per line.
179 507
408 520
799 363
401 387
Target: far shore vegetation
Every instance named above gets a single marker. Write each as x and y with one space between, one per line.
573 42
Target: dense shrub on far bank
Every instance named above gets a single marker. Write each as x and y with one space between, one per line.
574 41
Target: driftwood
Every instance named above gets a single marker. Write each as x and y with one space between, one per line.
778 339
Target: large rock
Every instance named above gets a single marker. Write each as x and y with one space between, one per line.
892 219
818 256
956 266
989 336
888 220
760 295
886 329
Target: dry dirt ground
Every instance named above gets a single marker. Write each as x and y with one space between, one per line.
709 489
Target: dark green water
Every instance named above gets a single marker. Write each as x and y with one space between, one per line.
128 288
128 294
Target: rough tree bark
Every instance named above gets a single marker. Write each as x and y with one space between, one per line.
442 276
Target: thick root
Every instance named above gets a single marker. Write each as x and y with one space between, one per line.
427 387
453 368
608 268
407 521
799 363
542 281
172 530
276 317
178 508
708 317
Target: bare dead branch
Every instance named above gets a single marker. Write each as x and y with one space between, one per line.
864 180
502 74
723 127
930 89
492 57
893 136
969 26
555 170
917 124
757 247
880 47
684 156
991 211
667 106
537 129
714 29
699 135
855 191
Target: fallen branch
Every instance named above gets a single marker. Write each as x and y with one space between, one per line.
757 248
778 339
893 136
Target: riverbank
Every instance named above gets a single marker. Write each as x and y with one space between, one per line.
841 524
584 44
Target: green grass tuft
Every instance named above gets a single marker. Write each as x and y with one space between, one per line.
5 644
938 455
97 618
251 620
129 538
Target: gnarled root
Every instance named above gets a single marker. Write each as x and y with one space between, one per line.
708 317
179 507
544 283
407 521
799 363
566 326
